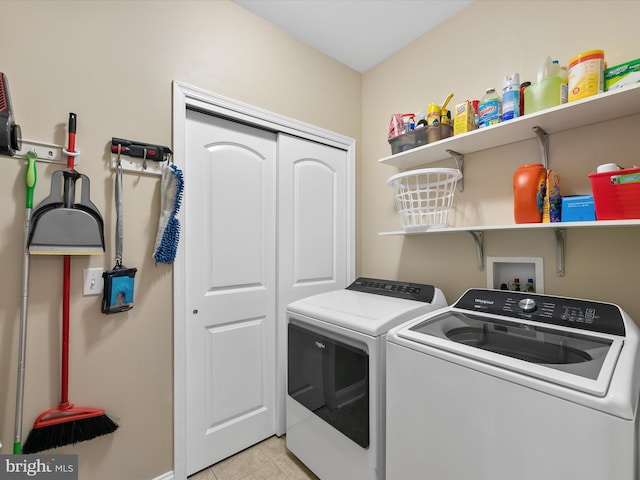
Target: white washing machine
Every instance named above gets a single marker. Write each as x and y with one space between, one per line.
336 373
511 385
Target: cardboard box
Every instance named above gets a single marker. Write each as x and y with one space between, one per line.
463 118
578 208
623 75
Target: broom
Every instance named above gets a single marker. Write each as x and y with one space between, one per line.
67 424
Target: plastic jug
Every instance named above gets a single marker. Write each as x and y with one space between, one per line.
546 92
529 185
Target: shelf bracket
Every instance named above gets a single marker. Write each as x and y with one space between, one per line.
543 143
478 238
561 237
459 159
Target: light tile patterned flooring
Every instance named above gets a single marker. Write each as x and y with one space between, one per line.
267 460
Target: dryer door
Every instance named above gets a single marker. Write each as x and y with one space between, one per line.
331 379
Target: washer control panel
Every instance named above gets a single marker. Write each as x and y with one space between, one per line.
569 312
392 288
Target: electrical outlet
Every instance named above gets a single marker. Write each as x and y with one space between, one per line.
93 283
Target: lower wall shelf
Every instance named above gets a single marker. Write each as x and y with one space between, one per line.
559 230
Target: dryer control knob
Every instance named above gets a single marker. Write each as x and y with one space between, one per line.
527 305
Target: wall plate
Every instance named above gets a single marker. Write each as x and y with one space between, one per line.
93 283
502 270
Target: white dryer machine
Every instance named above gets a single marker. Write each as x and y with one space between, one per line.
336 373
510 385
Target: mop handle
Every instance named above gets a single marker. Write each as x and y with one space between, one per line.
66 287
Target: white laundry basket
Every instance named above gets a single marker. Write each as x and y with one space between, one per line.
424 197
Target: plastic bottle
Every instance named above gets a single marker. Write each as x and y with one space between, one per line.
523 87
563 73
476 108
510 97
529 184
546 92
409 122
529 286
490 108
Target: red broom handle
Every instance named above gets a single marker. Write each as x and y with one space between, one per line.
66 286
72 140
64 384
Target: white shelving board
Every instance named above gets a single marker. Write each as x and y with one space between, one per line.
522 226
598 108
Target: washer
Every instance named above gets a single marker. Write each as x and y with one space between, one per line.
336 373
512 385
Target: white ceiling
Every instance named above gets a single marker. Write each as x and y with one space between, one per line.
358 33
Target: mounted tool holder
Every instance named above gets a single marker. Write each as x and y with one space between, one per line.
150 154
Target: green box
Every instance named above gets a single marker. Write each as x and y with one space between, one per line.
623 75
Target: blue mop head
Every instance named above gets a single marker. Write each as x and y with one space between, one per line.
171 190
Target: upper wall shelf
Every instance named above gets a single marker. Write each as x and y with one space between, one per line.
591 110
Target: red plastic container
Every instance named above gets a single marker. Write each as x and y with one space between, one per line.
616 194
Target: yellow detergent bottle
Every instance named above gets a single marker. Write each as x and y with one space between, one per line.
546 92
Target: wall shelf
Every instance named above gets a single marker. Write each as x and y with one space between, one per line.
589 111
598 108
559 229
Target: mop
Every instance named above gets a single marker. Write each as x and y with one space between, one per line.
30 183
171 190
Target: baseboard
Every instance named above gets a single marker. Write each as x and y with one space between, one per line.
166 476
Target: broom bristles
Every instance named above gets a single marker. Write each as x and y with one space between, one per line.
68 433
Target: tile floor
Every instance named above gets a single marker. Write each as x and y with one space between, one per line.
267 460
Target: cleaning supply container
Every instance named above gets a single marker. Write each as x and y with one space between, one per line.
546 92
586 75
424 197
616 194
490 108
510 97
529 183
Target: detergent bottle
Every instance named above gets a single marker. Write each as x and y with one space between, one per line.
547 91
529 191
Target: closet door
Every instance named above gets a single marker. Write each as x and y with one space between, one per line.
313 233
230 255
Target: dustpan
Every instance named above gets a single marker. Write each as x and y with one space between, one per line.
61 225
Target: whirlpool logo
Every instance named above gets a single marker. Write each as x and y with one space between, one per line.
39 467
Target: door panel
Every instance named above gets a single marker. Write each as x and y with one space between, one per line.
231 287
313 233
239 344
314 228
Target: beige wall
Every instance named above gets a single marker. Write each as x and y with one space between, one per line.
462 56
112 63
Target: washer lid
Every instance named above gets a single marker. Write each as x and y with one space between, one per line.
363 312
577 359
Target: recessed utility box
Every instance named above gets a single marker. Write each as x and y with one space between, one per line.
515 273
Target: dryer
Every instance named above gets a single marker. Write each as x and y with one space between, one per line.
512 385
336 373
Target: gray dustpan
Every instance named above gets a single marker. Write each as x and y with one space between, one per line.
62 226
